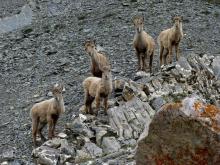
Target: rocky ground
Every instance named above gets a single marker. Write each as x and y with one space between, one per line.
50 50
136 127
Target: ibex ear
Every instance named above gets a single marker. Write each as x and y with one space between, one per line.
134 19
94 41
53 88
106 68
60 87
142 18
173 17
86 42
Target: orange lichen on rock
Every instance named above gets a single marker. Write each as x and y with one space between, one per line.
210 111
198 105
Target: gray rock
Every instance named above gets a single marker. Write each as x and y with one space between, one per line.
157 103
142 95
129 143
67 149
7 153
128 119
64 158
80 128
54 143
82 156
207 59
184 63
110 145
62 135
156 84
15 162
216 66
93 149
5 163
56 1
184 72
142 74
100 132
17 21
150 88
46 155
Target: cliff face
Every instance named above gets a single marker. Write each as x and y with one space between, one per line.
44 45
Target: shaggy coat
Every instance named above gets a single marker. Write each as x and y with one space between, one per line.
98 60
170 38
47 111
143 43
97 88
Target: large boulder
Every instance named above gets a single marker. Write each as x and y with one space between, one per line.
182 133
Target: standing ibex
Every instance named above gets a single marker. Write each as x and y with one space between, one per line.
97 88
47 111
143 43
170 38
98 60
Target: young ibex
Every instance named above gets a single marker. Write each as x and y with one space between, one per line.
97 88
47 111
170 38
143 43
98 60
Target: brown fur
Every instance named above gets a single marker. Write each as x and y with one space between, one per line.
98 60
97 88
47 111
143 43
170 38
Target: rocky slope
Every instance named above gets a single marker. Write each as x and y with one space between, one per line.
50 50
189 127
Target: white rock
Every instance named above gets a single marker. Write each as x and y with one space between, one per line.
82 117
62 135
4 163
